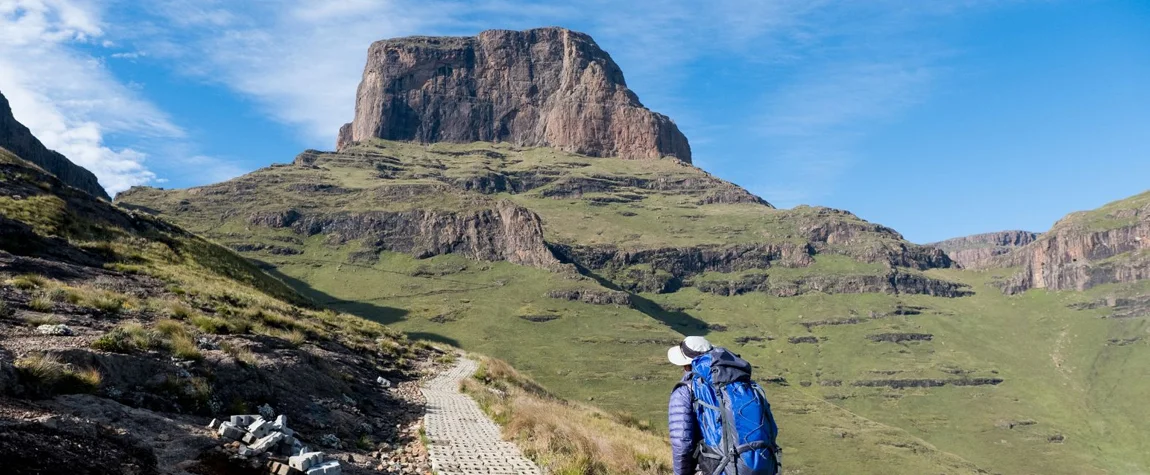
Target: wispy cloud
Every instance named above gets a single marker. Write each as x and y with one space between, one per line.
68 98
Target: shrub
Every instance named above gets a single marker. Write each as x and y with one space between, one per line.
240 353
37 320
40 303
184 347
46 375
179 311
28 281
58 294
213 325
129 337
5 310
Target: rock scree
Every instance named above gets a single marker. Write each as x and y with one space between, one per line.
461 439
541 87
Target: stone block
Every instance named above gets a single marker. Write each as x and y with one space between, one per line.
281 422
244 420
267 443
215 424
231 432
305 461
248 438
331 467
260 428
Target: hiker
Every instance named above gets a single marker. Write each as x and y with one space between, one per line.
700 413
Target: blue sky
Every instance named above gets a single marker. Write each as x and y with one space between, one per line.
938 119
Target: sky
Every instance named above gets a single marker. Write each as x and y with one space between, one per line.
939 119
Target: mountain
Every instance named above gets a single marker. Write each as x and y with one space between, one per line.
879 355
1086 249
981 250
122 335
543 87
20 141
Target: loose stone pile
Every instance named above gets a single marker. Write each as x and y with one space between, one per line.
254 436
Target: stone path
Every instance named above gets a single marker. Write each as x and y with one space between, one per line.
463 441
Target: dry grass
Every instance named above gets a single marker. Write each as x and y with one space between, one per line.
28 281
40 303
565 438
37 320
240 353
47 375
129 337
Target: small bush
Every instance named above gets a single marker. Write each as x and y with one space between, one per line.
129 337
240 353
213 325
171 328
296 338
37 320
28 282
221 326
40 303
179 311
46 375
5 310
184 347
57 294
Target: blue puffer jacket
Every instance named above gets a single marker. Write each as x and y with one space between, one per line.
684 429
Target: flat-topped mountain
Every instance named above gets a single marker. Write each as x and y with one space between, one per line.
16 138
542 87
980 250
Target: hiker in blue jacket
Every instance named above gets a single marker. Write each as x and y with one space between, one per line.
685 432
719 419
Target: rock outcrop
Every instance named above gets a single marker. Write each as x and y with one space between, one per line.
542 87
1086 249
16 138
502 232
980 251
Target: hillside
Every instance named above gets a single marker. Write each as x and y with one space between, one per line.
122 335
567 265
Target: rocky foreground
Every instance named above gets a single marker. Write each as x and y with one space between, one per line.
122 336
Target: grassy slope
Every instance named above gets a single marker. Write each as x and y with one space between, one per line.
1057 367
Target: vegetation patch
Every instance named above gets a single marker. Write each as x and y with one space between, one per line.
46 375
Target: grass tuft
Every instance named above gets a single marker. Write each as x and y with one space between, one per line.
47 375
40 303
28 281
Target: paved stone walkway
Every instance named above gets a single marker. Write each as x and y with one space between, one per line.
463 441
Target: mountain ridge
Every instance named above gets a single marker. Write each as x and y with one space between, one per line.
16 138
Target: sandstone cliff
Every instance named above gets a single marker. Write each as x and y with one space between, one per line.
980 251
542 87
1085 249
20 141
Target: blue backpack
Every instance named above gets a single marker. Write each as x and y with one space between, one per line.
734 417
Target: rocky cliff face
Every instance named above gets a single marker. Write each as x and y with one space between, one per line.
20 141
542 87
504 232
981 250
1110 244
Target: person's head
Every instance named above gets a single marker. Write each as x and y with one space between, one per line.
686 351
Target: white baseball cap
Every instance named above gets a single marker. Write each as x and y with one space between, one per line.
692 347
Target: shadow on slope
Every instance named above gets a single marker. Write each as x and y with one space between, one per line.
678 320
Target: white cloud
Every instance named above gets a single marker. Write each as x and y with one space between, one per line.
67 97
